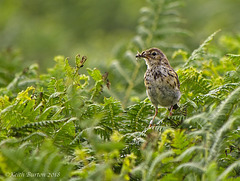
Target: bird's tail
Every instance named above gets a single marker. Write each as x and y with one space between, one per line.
175 106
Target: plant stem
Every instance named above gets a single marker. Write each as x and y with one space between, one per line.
131 84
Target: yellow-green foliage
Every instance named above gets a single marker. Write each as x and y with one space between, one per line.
67 124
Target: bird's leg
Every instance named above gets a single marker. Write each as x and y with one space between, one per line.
156 112
170 111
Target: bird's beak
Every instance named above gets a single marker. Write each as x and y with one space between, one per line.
141 55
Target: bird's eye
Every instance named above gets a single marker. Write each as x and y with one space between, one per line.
154 53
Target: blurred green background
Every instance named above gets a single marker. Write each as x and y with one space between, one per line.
44 29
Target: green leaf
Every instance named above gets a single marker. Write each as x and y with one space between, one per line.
201 50
95 74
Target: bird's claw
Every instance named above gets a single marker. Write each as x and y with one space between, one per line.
150 124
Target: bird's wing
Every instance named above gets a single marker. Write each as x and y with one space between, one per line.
175 79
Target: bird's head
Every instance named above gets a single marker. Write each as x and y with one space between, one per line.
153 56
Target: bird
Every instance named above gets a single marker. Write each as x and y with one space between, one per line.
161 81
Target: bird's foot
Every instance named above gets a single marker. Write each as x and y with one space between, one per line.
150 124
170 111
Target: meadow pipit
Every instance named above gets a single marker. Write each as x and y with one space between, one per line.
161 81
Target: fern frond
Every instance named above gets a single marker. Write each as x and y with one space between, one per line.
35 134
156 162
218 93
137 113
50 112
187 154
136 137
223 112
43 161
10 64
224 174
82 135
158 24
190 167
37 125
198 120
200 51
159 20
234 58
219 136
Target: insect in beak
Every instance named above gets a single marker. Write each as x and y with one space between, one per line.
141 55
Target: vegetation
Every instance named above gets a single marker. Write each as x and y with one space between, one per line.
78 123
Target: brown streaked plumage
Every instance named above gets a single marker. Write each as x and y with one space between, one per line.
161 81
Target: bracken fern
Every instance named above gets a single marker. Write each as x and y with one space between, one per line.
65 123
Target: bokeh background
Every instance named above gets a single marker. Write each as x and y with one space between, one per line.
44 29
